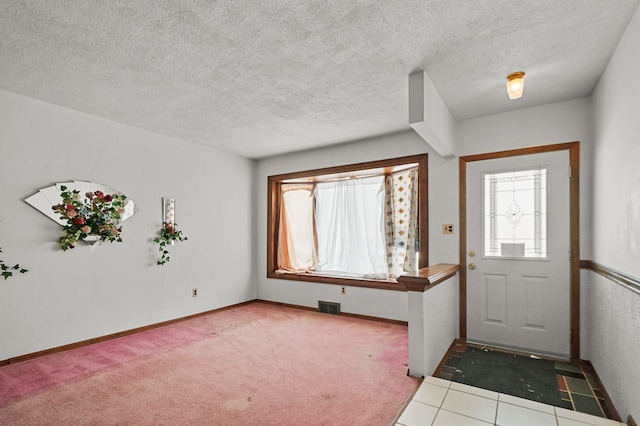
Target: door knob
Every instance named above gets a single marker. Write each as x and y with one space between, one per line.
472 266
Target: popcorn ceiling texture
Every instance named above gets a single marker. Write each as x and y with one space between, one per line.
268 77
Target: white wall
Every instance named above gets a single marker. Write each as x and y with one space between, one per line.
441 321
94 291
614 324
614 341
433 324
616 227
364 301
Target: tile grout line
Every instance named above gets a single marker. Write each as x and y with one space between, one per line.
566 384
441 402
460 414
593 392
592 395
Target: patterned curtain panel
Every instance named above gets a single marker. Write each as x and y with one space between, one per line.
401 221
297 245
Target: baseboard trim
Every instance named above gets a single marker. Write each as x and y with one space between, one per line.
124 333
119 334
344 314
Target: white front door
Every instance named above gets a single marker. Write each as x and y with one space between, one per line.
518 258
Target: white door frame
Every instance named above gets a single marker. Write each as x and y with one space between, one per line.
574 232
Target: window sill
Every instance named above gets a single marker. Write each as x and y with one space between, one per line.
423 280
352 282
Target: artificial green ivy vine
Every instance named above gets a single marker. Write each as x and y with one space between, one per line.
168 234
7 271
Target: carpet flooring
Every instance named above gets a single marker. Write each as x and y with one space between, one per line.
255 364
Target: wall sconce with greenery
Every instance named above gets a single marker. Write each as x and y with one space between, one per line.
7 271
168 236
168 233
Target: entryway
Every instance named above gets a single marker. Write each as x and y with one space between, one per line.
573 386
519 249
441 402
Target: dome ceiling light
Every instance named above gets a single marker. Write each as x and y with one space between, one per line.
515 85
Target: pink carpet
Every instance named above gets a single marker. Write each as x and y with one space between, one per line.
256 364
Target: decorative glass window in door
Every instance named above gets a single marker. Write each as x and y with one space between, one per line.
515 214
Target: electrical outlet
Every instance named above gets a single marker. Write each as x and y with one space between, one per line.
447 228
194 292
343 290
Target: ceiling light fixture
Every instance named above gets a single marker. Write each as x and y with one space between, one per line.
515 85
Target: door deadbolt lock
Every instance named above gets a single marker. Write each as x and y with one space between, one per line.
472 266
472 254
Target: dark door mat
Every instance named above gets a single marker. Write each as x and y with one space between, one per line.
524 377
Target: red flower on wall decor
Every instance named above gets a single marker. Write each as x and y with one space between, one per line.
96 214
87 211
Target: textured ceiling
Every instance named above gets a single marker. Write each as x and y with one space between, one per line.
266 77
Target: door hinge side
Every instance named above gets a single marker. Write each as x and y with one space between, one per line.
569 172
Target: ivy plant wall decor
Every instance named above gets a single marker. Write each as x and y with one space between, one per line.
7 271
168 236
169 233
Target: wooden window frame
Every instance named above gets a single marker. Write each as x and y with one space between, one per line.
385 166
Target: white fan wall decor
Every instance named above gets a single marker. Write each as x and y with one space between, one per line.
46 198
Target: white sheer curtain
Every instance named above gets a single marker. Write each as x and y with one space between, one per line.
349 226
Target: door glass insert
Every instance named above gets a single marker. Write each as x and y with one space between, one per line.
515 213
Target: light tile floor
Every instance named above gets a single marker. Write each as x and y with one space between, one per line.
439 402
